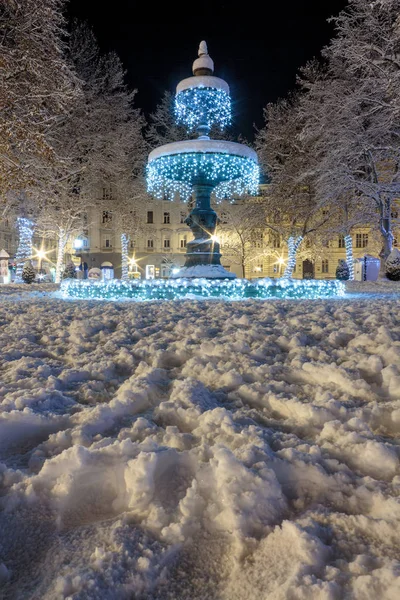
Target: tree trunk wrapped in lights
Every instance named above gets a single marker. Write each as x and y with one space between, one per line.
293 246
124 255
348 240
24 251
62 242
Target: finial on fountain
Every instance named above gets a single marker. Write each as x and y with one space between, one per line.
204 65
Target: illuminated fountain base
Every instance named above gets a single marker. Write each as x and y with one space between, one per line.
174 289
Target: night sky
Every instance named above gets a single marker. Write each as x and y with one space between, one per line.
257 55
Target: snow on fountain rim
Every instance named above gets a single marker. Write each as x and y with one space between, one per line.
202 81
204 146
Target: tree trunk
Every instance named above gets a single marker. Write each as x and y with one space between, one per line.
243 269
348 240
62 242
24 251
293 247
124 255
386 230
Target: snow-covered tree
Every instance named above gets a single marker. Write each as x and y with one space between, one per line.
293 208
342 270
100 143
352 109
242 232
392 265
28 272
69 271
36 87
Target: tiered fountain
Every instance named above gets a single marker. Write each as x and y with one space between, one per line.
203 166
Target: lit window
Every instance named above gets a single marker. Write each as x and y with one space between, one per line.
107 216
361 240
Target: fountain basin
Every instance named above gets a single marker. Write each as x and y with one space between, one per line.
224 289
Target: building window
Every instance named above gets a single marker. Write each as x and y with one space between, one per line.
183 216
342 243
107 195
107 216
166 217
325 265
361 240
132 244
150 216
275 240
257 239
223 218
167 243
183 242
107 243
150 243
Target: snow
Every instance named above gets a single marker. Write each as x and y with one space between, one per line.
206 81
200 449
201 271
204 146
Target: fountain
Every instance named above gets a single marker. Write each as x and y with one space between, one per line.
203 166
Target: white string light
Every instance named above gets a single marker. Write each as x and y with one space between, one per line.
203 106
24 251
124 255
231 175
293 246
348 240
173 289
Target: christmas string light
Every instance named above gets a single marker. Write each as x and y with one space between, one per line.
203 106
293 246
24 251
124 255
348 241
231 175
174 289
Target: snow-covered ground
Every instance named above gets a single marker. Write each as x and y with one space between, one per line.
199 449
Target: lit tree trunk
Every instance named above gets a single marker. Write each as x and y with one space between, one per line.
24 251
386 229
62 242
124 255
293 246
348 240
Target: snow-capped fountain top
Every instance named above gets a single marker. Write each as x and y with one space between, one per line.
203 69
204 65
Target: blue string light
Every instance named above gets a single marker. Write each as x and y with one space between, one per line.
176 173
174 289
203 106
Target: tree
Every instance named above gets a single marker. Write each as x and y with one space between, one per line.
37 87
358 145
342 270
28 272
392 266
242 232
69 271
293 208
100 143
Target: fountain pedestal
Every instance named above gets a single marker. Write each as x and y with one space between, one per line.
203 256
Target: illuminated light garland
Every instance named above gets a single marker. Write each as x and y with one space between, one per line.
124 256
24 251
293 246
203 106
348 240
177 173
236 289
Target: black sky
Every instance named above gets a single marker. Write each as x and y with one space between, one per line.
258 54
